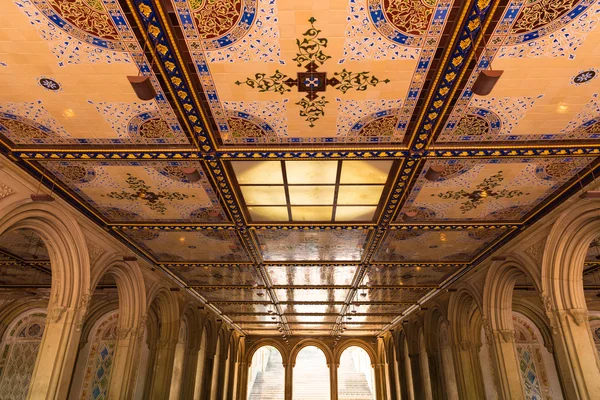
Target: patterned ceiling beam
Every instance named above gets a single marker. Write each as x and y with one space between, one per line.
151 20
547 151
462 46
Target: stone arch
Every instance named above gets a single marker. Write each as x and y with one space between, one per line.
466 322
432 323
267 342
340 348
69 297
66 246
499 288
536 315
465 313
130 288
567 244
311 342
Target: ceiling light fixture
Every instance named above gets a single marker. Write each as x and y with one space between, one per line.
590 194
409 215
487 78
434 172
129 258
142 86
42 197
191 174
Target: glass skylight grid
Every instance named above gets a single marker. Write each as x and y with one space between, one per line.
312 191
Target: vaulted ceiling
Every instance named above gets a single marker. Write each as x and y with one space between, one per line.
311 125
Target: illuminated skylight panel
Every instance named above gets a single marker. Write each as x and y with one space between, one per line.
312 191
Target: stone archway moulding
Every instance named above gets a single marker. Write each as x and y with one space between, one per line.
69 293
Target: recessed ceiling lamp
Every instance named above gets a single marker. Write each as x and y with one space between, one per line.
434 172
191 174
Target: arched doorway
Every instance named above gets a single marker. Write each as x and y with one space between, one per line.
356 377
311 375
266 375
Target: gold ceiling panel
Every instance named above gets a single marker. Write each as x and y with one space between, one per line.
314 275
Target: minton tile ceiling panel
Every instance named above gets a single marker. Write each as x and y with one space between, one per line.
291 71
64 78
553 47
489 190
401 275
206 245
231 294
313 191
16 274
378 308
417 245
332 275
311 318
208 275
230 307
24 244
593 253
311 308
312 245
322 295
131 191
391 295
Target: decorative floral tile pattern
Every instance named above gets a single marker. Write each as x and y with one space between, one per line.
488 190
208 275
125 191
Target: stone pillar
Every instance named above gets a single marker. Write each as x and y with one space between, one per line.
425 375
151 366
178 368
125 362
289 381
417 378
408 386
468 371
242 392
578 363
58 352
509 384
190 369
396 369
380 382
333 381
206 391
234 381
447 362
163 369
437 382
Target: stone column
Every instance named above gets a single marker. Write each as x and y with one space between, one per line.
234 381
58 352
289 381
163 369
450 387
125 362
417 378
437 382
425 375
242 392
333 381
206 391
468 370
578 363
408 391
396 369
380 382
190 369
509 384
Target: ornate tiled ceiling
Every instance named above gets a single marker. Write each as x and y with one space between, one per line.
311 126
